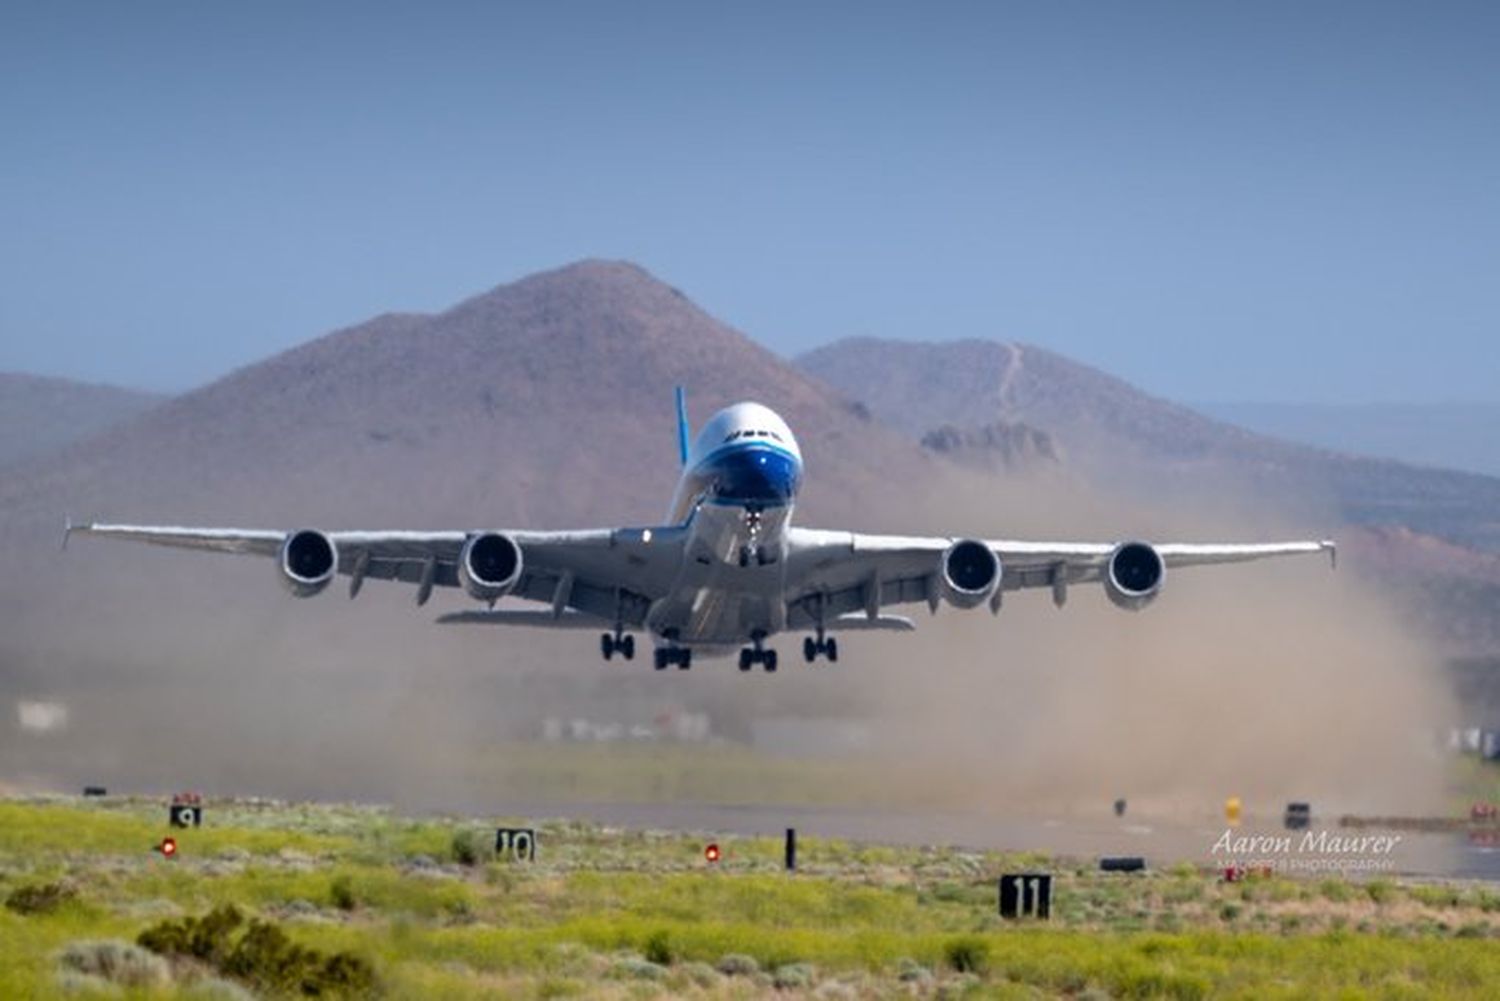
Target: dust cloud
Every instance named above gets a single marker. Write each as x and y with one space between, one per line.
1272 681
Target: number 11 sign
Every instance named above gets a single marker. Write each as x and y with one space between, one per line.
1026 895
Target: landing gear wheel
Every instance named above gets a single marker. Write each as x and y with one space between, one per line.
684 660
745 656
626 646
661 655
607 645
768 660
809 650
830 650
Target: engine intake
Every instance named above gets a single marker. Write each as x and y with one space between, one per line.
970 573
1134 575
489 567
309 561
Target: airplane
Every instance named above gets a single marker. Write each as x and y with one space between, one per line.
728 570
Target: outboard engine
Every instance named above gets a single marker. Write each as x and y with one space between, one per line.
969 573
309 560
489 566
1134 575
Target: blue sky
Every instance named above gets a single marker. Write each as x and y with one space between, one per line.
1280 201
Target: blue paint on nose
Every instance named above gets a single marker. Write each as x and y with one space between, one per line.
755 474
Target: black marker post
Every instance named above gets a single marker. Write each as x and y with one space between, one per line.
791 849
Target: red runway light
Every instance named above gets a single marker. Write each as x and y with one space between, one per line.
711 853
168 847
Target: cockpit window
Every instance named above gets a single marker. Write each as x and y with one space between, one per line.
736 435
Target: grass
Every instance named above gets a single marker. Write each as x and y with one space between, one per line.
640 914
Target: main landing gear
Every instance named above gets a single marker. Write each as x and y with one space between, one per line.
813 648
616 643
757 654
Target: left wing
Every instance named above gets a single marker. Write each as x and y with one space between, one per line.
607 576
832 574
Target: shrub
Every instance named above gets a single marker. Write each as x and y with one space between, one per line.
793 976
467 847
636 968
659 948
1336 890
116 962
261 956
1381 891
738 965
206 938
39 898
968 954
341 892
701 974
909 971
1437 896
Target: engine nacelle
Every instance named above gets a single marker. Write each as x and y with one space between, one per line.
489 566
1134 575
309 560
969 573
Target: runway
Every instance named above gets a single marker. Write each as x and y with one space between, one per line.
1413 854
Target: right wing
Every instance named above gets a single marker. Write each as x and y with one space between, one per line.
607 575
838 574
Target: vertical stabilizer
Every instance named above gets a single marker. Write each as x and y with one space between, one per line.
682 426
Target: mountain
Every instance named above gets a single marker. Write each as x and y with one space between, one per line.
528 404
39 414
1123 436
1451 435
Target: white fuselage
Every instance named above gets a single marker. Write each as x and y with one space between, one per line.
735 499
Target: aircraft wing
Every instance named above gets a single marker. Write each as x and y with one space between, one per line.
832 574
609 575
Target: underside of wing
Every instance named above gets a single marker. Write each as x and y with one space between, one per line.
833 574
609 575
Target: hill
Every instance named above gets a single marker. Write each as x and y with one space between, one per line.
1121 435
39 414
1451 435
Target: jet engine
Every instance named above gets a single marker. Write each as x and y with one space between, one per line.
969 573
309 560
1134 575
489 566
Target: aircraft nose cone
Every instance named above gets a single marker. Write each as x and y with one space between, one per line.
757 475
